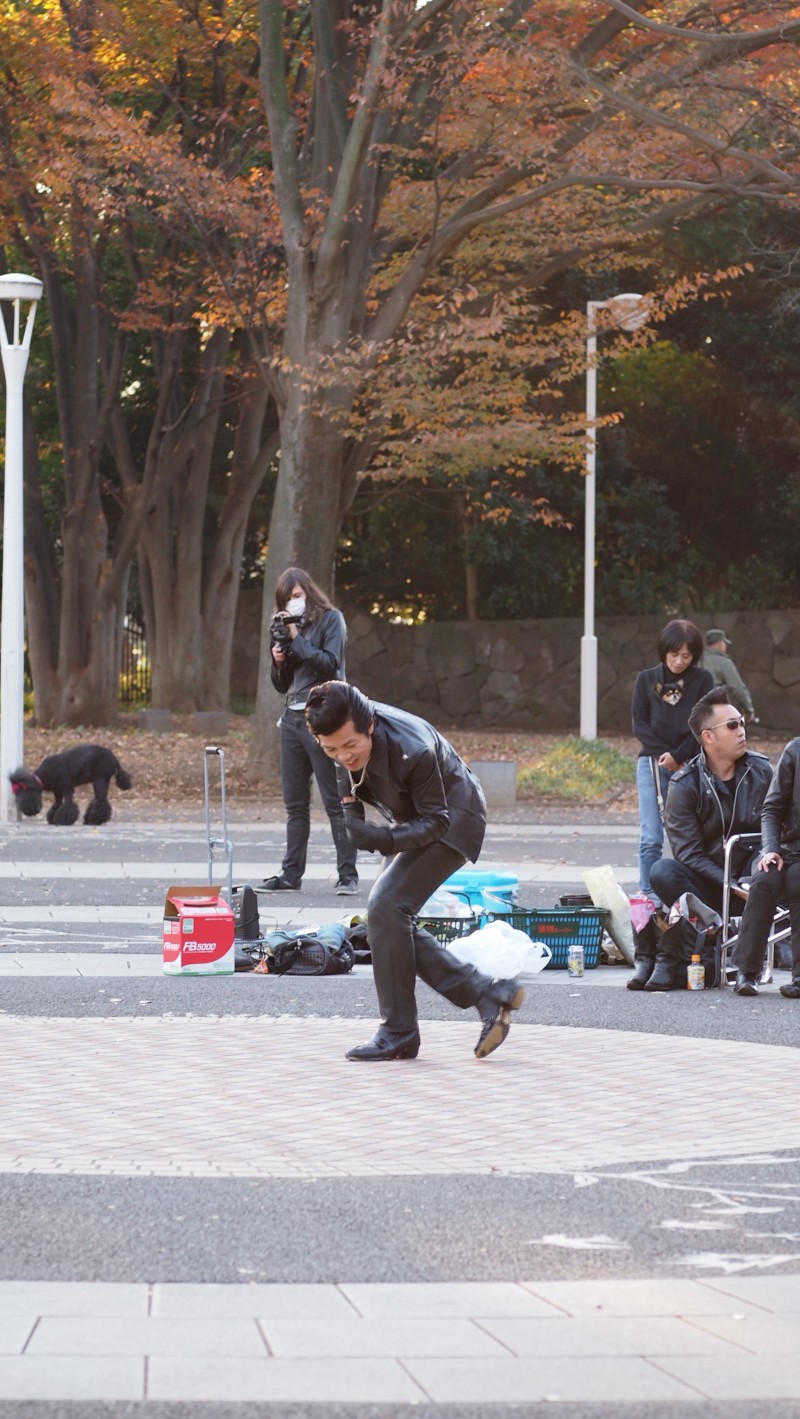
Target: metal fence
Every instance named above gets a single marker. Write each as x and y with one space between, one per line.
134 680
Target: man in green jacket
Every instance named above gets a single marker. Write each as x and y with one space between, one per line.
717 660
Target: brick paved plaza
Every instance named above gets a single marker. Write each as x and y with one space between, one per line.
477 1245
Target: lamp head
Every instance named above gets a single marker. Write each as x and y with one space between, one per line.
16 287
630 311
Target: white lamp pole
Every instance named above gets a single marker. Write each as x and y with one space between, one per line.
14 288
629 312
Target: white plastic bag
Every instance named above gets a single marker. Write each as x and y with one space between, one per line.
500 950
605 891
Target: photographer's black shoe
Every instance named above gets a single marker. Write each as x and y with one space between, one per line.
279 883
791 991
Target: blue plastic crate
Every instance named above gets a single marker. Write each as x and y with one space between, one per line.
494 890
559 928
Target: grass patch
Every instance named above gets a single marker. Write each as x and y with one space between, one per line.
579 768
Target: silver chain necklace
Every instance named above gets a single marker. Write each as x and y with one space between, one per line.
353 784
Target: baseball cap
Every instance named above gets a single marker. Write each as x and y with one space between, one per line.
715 634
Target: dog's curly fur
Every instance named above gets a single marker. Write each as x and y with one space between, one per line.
60 775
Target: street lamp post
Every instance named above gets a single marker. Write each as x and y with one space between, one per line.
629 311
16 289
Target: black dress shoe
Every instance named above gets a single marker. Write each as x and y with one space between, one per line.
746 984
387 1044
493 1006
792 990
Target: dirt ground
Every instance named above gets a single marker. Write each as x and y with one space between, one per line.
169 767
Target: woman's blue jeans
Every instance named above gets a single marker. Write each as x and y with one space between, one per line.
651 828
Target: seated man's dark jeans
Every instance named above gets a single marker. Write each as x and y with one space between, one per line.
670 879
766 890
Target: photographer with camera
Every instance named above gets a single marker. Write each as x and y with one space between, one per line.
307 644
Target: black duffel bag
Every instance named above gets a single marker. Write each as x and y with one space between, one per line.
697 932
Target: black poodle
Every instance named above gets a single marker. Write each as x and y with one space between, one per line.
60 774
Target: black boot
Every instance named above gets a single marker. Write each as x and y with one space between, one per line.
387 1044
644 960
663 973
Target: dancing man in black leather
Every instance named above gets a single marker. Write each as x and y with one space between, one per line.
434 820
777 878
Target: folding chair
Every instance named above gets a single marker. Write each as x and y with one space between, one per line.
730 925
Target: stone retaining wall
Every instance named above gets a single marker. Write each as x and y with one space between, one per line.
526 674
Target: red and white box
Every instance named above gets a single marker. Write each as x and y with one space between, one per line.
198 933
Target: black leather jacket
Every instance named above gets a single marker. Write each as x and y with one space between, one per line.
699 823
417 780
315 655
780 818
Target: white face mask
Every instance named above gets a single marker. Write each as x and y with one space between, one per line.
296 606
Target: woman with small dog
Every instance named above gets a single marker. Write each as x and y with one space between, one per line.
663 697
308 638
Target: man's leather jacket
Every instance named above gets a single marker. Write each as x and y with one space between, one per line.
420 784
699 822
780 819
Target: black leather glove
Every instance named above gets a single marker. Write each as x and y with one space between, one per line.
373 837
353 809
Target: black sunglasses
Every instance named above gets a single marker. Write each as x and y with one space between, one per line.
727 724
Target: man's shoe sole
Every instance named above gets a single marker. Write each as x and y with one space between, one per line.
498 1032
494 1036
347 891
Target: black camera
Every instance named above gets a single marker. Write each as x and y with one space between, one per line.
279 633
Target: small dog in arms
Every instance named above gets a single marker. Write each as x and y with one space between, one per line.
60 774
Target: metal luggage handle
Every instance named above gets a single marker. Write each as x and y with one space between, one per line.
224 842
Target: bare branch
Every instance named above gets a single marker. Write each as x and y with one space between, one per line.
778 34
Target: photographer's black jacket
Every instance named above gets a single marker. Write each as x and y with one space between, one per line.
315 655
417 779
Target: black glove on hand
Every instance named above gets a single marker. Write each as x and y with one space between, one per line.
353 809
373 837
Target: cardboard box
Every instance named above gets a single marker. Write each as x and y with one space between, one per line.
198 933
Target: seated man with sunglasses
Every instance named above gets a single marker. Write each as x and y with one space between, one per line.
718 793
776 879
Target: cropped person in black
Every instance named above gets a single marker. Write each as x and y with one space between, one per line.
663 699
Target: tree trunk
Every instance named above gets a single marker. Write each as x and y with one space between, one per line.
303 531
255 446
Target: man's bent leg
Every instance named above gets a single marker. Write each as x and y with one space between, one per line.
671 879
792 896
762 899
403 887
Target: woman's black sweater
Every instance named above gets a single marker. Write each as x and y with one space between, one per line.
660 725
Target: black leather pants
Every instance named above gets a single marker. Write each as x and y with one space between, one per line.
401 951
766 890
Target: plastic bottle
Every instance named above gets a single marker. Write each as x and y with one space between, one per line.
696 975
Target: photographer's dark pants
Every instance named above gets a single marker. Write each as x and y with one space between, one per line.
402 951
301 757
767 889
